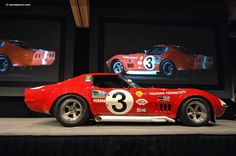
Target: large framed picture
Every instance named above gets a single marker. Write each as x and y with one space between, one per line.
32 52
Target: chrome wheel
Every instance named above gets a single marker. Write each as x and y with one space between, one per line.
118 67
71 109
168 68
196 111
4 64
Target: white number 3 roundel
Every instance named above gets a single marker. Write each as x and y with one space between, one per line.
149 62
119 101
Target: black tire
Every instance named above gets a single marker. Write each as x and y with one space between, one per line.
168 69
71 110
195 112
117 67
4 64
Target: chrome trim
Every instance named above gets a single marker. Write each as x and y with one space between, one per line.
116 118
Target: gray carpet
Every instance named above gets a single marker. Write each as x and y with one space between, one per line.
50 127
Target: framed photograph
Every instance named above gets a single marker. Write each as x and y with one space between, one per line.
32 50
160 53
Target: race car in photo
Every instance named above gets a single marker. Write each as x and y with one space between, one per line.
15 53
109 97
163 59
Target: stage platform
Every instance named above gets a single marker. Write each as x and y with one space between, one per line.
50 127
45 136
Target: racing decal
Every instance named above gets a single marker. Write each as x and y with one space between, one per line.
141 110
163 98
88 78
99 100
149 62
141 102
139 93
119 101
139 62
130 57
168 93
98 94
141 58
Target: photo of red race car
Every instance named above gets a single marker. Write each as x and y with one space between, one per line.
16 53
110 97
164 59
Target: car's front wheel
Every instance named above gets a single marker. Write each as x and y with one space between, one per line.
71 110
195 112
117 67
4 64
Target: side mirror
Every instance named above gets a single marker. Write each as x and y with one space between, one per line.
129 81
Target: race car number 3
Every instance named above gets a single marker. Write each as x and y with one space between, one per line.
119 101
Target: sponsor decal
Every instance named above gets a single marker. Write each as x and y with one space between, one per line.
99 100
88 78
163 98
98 94
130 57
168 93
141 102
141 110
139 62
141 58
131 60
139 93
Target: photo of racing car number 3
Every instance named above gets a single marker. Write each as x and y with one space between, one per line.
109 97
165 60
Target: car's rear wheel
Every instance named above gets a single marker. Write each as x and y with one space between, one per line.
4 64
167 68
71 110
117 67
195 112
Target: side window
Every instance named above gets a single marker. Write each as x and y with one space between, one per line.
158 51
2 44
109 82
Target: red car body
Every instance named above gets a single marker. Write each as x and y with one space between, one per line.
17 54
165 59
108 101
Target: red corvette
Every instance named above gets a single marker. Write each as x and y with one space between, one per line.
165 59
16 53
110 97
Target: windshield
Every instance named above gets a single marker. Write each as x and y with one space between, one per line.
19 44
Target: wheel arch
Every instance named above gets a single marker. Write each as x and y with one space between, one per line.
212 117
164 60
51 111
117 59
8 58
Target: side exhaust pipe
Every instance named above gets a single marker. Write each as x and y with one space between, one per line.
116 118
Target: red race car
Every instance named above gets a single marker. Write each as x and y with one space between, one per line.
16 53
110 97
164 59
